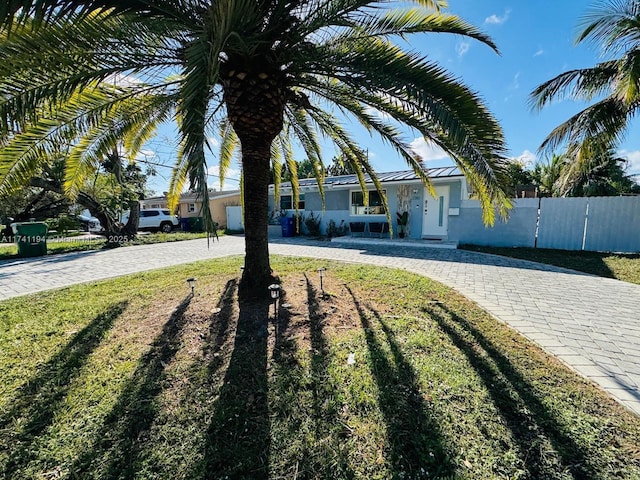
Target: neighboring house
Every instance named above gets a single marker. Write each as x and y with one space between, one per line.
429 217
153 202
191 206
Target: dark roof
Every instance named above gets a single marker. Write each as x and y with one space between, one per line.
385 177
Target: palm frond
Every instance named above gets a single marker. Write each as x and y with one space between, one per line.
228 145
401 22
612 25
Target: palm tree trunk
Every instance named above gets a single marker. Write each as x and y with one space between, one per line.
255 99
257 275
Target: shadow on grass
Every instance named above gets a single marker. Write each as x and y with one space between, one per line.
238 438
529 420
41 397
116 451
219 331
416 443
329 430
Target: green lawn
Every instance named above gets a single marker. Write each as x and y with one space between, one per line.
83 244
133 378
625 267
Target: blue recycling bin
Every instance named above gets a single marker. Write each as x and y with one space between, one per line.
184 224
287 226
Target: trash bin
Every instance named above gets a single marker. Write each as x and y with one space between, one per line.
184 224
31 238
287 226
195 224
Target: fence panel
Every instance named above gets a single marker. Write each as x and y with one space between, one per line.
613 224
561 224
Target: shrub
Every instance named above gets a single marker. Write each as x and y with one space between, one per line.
312 225
62 224
334 230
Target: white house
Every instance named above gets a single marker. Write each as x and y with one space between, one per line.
429 217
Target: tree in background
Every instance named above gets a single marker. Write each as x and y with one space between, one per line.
255 73
518 176
595 171
546 175
303 169
340 165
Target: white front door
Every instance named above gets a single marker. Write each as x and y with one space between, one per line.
436 212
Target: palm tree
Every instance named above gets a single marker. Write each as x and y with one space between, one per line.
614 26
257 73
595 171
547 176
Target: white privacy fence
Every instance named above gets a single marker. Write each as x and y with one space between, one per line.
609 224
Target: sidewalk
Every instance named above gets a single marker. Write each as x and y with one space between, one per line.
590 323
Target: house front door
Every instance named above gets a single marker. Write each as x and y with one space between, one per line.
436 212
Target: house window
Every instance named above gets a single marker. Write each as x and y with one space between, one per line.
191 207
286 202
375 206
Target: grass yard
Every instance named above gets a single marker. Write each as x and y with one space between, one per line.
385 375
625 267
82 244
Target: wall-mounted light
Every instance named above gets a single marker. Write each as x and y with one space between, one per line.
192 283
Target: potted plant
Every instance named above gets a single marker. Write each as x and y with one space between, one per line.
403 221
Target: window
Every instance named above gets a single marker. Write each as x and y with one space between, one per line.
286 202
374 207
191 207
149 213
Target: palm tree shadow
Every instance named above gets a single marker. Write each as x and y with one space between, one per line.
328 426
42 396
529 420
238 437
417 446
219 331
120 441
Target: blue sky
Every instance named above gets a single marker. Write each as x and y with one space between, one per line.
536 43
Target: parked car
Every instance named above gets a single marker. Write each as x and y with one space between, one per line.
89 223
155 219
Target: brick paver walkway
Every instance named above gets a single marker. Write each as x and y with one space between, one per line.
591 323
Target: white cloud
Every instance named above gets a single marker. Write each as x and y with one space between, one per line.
146 154
462 48
122 80
497 19
213 142
526 159
515 85
538 53
427 151
374 112
633 161
231 181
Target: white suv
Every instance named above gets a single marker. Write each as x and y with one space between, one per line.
155 219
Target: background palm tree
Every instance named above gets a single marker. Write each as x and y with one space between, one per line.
547 176
252 72
595 171
614 27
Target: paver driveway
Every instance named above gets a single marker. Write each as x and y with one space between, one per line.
591 323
